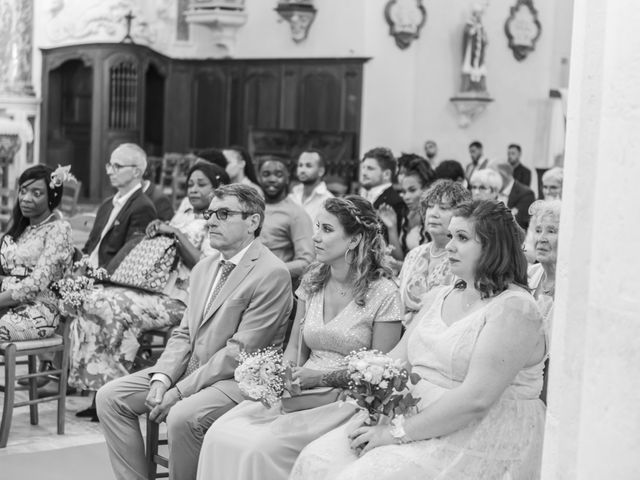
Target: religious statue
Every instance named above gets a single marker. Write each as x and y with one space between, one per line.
474 43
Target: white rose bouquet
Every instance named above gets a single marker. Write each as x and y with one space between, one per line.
261 375
380 385
73 288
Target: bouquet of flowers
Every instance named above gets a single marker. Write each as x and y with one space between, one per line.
72 289
380 385
262 375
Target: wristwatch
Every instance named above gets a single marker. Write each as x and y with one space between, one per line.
397 430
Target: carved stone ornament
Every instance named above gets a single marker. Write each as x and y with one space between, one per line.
405 19
469 107
300 15
223 17
522 29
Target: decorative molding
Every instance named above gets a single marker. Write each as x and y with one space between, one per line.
300 14
469 107
523 29
405 18
16 46
223 17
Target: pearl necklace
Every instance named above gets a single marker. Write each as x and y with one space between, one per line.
431 254
43 221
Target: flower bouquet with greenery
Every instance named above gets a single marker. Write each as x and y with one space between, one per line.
73 288
262 375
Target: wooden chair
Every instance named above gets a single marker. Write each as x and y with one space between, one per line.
7 202
153 457
11 351
152 343
69 202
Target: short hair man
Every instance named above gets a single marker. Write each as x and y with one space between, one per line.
377 168
478 160
452 170
312 191
125 214
431 151
520 172
515 195
240 300
287 229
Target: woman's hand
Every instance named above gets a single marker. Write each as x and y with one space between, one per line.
307 377
388 216
166 229
152 228
365 438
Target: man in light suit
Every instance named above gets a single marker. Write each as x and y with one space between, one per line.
239 300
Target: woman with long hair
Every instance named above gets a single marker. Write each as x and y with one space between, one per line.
346 301
479 348
112 317
36 251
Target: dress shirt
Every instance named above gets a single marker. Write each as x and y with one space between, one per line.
374 192
118 203
313 203
236 259
503 196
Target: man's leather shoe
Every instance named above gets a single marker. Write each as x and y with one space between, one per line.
87 413
40 382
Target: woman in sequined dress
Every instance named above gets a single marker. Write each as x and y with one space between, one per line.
346 301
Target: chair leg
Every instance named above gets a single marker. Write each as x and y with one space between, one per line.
62 385
33 389
9 392
153 433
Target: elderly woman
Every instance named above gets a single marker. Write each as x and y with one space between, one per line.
552 183
36 251
427 265
486 184
111 319
416 179
347 301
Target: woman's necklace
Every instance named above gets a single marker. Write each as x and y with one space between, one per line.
341 289
432 255
551 286
43 221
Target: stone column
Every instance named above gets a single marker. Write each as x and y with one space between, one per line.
593 417
16 46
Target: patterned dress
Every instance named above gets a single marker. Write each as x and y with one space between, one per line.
105 332
40 256
251 441
420 274
506 444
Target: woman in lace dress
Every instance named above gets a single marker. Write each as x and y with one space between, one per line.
346 301
427 266
36 251
106 330
479 348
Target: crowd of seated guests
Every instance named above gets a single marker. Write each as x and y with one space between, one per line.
431 270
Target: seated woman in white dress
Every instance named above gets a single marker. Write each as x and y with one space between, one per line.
479 348
107 327
346 302
427 266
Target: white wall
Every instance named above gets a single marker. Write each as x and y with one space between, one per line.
406 92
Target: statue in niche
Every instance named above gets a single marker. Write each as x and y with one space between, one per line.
474 42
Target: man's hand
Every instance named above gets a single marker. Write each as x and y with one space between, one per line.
157 389
160 412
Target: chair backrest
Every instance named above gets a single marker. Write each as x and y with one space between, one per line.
70 194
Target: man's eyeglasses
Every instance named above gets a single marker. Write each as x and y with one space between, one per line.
116 167
480 187
223 213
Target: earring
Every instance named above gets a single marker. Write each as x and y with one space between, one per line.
346 259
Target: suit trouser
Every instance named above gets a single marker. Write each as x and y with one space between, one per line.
121 402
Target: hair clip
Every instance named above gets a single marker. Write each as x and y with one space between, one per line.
61 175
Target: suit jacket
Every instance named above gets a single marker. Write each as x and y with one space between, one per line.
132 220
160 201
393 199
250 312
522 174
519 201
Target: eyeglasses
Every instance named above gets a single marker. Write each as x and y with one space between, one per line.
480 187
116 167
223 213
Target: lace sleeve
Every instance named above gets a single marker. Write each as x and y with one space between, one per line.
55 258
516 305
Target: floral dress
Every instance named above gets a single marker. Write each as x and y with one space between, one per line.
105 331
416 280
40 256
251 441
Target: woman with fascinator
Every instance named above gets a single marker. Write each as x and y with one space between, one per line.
346 301
36 251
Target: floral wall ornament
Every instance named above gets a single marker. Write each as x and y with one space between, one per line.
405 19
523 29
300 15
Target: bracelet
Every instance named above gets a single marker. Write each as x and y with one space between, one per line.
180 397
396 429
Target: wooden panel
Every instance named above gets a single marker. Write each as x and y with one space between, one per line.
289 103
262 97
177 123
352 105
320 98
209 112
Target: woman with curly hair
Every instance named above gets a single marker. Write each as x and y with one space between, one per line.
346 301
479 348
36 251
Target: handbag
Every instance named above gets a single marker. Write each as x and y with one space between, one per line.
312 397
144 263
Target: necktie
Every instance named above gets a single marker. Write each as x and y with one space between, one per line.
225 270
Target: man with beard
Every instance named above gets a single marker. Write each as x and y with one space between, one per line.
287 228
431 151
312 191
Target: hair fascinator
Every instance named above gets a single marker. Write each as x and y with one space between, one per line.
61 175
